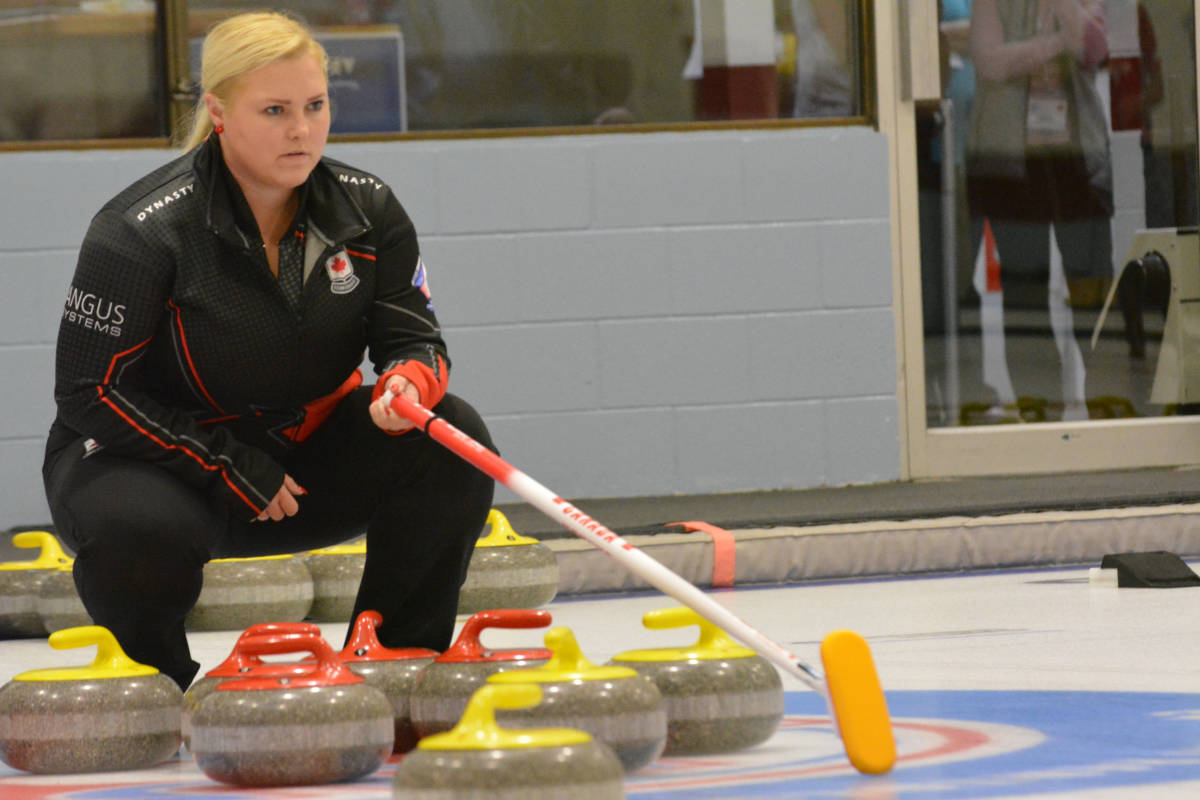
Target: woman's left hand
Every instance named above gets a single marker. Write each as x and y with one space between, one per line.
383 415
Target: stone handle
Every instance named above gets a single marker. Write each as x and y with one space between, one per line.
240 657
51 555
468 645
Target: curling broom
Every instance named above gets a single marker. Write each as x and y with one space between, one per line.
850 686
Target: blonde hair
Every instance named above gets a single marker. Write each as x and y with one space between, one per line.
239 45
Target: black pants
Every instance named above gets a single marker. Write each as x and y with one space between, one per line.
142 536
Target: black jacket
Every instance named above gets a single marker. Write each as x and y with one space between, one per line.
178 347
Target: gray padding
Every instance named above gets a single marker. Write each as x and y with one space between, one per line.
882 548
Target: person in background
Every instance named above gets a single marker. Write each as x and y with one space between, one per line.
1169 151
823 87
955 28
1039 166
209 397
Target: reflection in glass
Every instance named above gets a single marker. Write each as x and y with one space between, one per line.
80 70
90 69
1044 300
480 64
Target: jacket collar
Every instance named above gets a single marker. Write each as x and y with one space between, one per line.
324 200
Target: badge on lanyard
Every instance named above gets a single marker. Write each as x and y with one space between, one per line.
1046 121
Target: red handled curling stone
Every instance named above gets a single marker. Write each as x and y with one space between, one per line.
20 582
322 726
241 664
392 671
114 714
441 691
478 760
720 696
616 705
508 570
240 592
58 601
336 572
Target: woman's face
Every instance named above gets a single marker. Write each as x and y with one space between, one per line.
276 124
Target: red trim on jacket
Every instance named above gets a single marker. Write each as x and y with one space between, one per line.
209 467
431 384
187 354
100 391
112 365
316 412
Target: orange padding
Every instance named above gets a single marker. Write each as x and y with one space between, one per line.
724 551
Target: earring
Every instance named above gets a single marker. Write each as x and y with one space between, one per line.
219 129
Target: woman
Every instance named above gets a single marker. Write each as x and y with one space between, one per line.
209 398
1039 165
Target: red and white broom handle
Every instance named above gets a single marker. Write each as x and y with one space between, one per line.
597 534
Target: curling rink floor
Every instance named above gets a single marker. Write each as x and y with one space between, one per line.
1014 684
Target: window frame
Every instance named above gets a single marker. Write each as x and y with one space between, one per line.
171 43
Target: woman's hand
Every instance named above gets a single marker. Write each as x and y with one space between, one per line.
284 503
383 415
1081 25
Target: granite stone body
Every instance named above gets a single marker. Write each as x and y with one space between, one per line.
627 714
203 687
393 671
21 582
587 771
200 689
19 616
716 705
286 737
240 664
441 691
238 593
396 680
58 603
720 696
517 576
335 578
89 725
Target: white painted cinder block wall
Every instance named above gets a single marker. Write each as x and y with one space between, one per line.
633 314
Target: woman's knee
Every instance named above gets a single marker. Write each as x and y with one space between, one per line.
136 508
462 415
159 579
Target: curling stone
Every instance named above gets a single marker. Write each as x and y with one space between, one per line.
336 572
320 726
241 664
619 707
20 581
478 759
114 714
391 671
240 592
508 570
441 690
720 696
58 601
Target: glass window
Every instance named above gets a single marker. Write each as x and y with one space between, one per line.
1058 196
80 70
94 69
487 64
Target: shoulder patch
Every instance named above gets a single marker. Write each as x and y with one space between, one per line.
420 280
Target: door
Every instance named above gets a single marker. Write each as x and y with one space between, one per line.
1045 203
